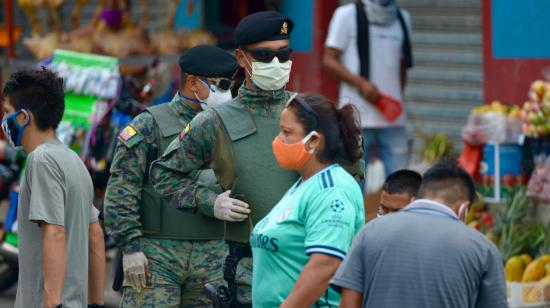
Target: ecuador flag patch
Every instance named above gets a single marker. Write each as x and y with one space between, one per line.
127 133
184 132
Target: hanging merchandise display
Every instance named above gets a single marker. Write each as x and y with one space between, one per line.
90 81
110 32
93 89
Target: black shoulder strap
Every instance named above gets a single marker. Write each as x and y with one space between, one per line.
363 37
407 50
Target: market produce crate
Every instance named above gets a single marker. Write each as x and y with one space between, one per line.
528 294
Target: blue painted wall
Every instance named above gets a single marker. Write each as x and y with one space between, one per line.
301 12
189 21
521 29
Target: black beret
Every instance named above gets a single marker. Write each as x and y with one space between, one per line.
263 26
208 61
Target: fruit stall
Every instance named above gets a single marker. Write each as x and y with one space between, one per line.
507 151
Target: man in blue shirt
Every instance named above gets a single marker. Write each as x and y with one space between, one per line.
424 255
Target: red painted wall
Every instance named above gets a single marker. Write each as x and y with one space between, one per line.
308 74
507 80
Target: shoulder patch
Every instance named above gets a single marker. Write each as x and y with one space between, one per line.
130 136
184 132
327 180
127 133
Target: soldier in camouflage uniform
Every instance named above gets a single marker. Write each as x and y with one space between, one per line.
235 139
168 255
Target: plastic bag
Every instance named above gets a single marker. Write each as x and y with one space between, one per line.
538 187
513 130
390 107
470 158
374 178
485 127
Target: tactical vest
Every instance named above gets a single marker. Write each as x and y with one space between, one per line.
244 162
158 218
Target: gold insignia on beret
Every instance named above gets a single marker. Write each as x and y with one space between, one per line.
284 28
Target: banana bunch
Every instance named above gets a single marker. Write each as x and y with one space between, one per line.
437 147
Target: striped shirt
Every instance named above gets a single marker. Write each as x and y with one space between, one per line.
320 215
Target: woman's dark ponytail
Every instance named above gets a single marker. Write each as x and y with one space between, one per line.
350 130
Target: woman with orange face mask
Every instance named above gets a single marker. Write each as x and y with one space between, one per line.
298 246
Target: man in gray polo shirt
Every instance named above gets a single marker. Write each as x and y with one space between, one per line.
425 256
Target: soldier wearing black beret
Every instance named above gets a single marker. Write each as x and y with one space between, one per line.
263 26
264 49
235 139
209 62
160 243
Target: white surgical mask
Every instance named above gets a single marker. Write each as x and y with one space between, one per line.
381 14
215 97
270 76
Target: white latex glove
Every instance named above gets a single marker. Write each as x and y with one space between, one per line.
230 209
134 266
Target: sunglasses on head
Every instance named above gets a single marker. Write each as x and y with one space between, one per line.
266 55
305 106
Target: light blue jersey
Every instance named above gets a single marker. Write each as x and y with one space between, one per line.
319 215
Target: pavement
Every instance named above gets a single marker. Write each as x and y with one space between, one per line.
112 298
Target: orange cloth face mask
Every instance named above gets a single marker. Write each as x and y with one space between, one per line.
292 155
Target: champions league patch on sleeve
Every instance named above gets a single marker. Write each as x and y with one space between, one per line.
184 132
127 133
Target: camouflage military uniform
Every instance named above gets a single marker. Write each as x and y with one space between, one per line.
179 270
172 263
171 174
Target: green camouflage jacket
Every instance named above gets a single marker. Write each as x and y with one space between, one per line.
128 169
171 174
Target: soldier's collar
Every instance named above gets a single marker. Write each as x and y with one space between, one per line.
258 94
183 106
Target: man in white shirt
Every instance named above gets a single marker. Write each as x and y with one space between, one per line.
383 69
